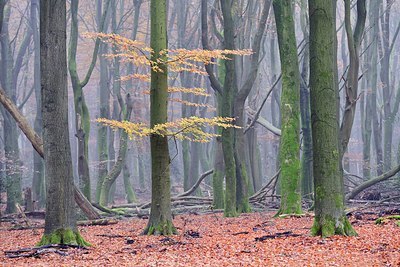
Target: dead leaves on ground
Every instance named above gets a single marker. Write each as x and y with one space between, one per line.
255 239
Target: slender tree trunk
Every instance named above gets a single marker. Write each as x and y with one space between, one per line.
104 107
38 184
385 80
11 149
112 176
354 44
376 125
307 153
82 123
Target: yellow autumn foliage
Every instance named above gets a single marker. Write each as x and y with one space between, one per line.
178 60
183 129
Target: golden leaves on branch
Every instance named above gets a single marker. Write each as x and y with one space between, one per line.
190 128
178 60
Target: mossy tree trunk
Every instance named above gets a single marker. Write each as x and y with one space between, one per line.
330 218
60 221
228 97
160 221
289 156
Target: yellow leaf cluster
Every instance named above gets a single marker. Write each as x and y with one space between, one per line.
190 128
195 91
178 60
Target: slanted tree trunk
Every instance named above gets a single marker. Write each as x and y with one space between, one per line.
289 156
329 218
112 176
354 44
160 221
60 221
9 78
37 144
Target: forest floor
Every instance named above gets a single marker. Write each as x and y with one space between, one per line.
255 239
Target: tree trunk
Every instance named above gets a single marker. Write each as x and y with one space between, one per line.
60 221
228 97
11 149
329 218
104 108
307 153
38 184
82 123
289 156
37 144
160 221
351 85
112 176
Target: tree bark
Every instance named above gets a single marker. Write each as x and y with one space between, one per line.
37 144
329 218
289 156
160 221
60 221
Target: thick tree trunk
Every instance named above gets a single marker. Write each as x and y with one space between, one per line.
160 221
330 218
60 221
289 156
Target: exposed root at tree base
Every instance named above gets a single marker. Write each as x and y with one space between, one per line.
64 237
327 227
160 228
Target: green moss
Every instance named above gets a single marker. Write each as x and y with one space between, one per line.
162 228
319 192
230 213
329 226
243 205
381 220
218 189
65 237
